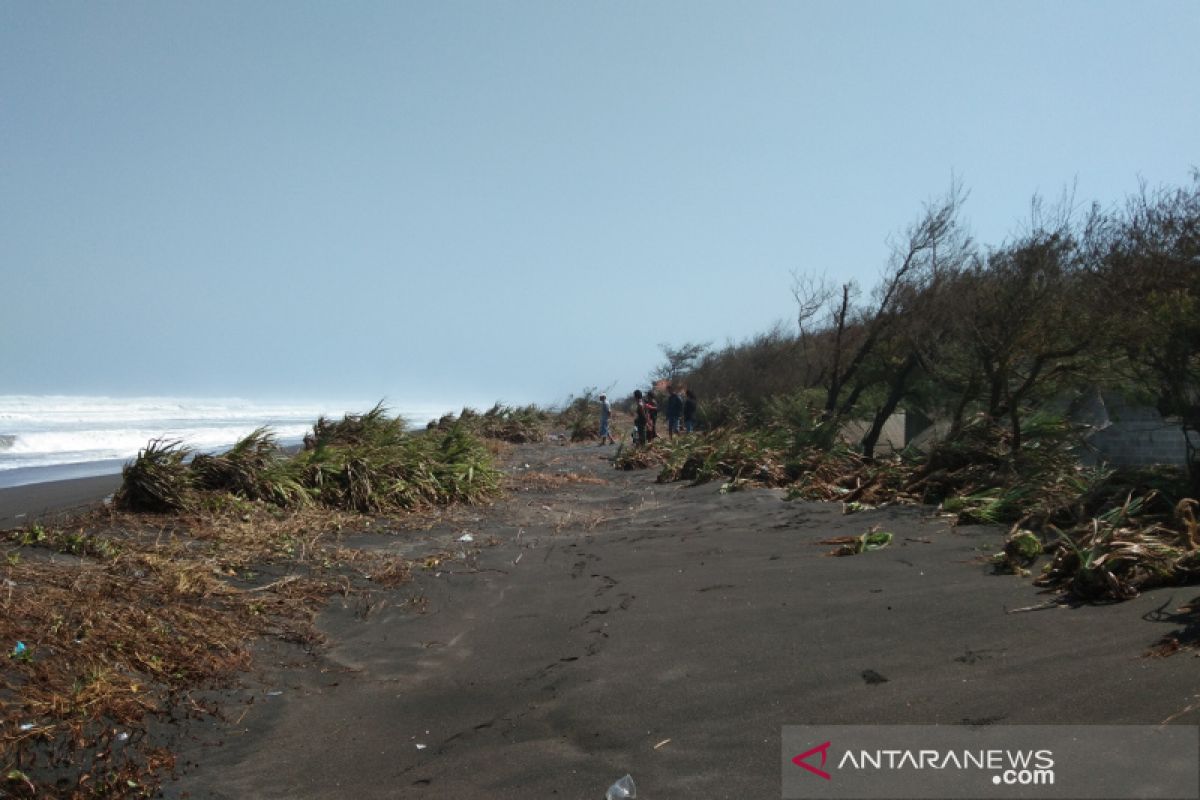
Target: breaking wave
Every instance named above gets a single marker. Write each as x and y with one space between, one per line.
53 430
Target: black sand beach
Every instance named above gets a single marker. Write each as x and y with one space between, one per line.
613 625
22 504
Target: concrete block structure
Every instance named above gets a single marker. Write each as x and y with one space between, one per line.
1126 434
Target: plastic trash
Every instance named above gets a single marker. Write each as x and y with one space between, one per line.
19 650
466 537
622 789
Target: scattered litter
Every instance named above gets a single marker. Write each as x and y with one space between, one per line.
466 537
25 726
517 559
19 650
663 742
623 789
422 746
122 737
274 693
18 516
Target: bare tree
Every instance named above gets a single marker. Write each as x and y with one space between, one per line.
852 335
679 360
1023 322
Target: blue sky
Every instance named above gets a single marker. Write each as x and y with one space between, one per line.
465 201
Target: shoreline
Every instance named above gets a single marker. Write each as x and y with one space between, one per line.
53 473
20 505
32 492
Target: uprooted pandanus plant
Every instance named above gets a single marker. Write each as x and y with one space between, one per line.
1124 551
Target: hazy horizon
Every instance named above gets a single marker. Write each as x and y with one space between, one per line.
424 202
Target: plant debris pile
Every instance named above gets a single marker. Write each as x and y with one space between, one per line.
1109 533
726 453
1126 550
873 539
114 617
365 463
515 425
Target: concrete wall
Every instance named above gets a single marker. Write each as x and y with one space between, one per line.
891 439
1130 435
1123 434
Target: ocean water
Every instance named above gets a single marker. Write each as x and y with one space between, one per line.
44 438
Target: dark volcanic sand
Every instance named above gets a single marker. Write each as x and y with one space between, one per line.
21 505
665 612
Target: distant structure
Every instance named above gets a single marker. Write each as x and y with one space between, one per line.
1125 434
900 429
1116 432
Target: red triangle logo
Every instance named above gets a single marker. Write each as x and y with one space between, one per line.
801 760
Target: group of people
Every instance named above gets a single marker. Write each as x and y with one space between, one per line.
681 415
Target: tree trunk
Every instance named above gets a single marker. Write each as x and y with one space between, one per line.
1191 434
895 394
960 411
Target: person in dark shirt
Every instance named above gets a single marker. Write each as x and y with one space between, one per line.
652 411
674 412
689 411
641 417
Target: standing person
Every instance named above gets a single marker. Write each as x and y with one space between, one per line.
605 416
674 412
652 412
689 411
641 418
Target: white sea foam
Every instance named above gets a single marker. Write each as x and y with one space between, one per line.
41 431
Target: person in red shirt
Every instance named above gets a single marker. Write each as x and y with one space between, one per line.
652 413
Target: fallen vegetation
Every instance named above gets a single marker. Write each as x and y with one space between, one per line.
512 424
992 349
1109 533
123 615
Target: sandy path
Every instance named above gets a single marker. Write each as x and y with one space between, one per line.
626 614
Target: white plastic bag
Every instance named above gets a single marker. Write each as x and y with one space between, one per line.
622 790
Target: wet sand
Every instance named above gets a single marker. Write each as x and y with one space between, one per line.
20 505
669 632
